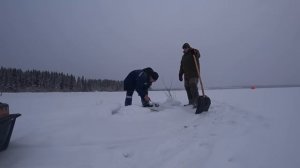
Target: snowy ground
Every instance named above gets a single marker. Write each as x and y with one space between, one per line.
243 129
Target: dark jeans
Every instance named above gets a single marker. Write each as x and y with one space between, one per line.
191 88
128 100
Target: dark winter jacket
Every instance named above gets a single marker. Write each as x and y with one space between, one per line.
138 80
187 65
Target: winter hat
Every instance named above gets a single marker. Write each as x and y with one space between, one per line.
148 70
186 45
154 75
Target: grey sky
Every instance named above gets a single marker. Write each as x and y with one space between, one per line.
241 41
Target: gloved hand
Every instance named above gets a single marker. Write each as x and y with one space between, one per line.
194 51
180 78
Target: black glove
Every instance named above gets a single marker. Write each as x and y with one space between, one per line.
180 78
194 51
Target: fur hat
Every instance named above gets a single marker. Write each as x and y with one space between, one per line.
186 45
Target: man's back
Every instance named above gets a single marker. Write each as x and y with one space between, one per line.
188 67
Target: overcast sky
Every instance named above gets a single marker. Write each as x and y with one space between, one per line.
242 42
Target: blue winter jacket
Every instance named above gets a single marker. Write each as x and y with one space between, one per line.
137 80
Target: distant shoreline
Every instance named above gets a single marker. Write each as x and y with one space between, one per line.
176 89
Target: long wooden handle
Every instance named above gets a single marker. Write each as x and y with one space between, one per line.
198 71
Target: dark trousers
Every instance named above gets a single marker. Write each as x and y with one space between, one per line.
128 99
191 88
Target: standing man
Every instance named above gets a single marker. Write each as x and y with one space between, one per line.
140 80
188 68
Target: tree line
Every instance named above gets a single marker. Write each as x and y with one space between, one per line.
16 80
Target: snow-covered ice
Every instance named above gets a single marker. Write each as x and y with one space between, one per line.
244 128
